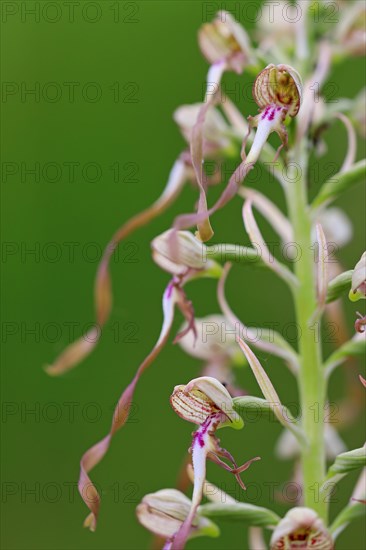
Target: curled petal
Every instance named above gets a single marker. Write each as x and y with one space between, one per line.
214 76
74 353
79 350
95 454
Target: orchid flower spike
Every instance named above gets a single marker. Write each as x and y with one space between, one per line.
164 512
301 528
277 91
358 289
207 403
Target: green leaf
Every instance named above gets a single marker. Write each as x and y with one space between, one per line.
339 183
338 285
345 463
352 348
240 511
348 514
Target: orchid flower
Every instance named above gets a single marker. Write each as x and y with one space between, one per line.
188 254
277 91
207 403
301 528
164 512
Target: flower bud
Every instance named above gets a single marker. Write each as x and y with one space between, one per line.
351 34
224 39
301 528
358 289
274 30
176 257
203 397
336 225
215 339
164 512
288 447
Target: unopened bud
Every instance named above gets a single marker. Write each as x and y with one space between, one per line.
163 513
224 39
180 252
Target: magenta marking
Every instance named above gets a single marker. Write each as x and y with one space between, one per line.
272 114
201 432
169 290
265 112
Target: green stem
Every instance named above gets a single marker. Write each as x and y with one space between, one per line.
311 375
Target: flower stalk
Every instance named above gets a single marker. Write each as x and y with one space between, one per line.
311 374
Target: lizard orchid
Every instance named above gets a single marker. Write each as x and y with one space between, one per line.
277 91
301 528
164 512
207 403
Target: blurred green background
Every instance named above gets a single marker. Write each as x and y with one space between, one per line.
130 65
